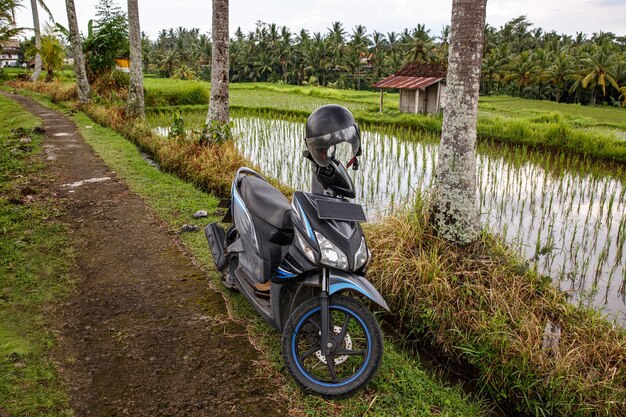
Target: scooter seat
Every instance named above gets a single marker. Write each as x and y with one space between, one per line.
266 202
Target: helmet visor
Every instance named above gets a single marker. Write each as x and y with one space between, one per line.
320 146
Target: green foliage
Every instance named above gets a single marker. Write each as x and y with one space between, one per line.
177 128
106 41
216 132
51 52
108 10
176 92
7 19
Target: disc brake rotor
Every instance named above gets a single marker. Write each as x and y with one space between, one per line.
347 345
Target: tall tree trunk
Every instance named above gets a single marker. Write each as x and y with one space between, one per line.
82 83
37 29
136 107
218 106
454 211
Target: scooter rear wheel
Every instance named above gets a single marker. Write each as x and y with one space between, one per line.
353 360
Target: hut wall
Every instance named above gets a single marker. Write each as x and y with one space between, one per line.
431 98
421 101
442 96
407 101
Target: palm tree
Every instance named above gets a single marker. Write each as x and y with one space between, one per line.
560 72
51 53
82 84
136 107
543 61
454 212
522 69
7 19
492 67
419 44
599 74
183 72
37 29
218 106
622 91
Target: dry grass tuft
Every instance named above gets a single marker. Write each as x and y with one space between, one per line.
57 91
482 307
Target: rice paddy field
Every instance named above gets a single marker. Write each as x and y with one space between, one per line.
564 214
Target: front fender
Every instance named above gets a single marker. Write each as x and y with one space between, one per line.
343 281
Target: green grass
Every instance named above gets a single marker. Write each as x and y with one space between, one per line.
34 262
172 92
573 113
401 387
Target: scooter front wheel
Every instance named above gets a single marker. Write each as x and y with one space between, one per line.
354 358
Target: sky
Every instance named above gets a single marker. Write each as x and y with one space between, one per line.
563 16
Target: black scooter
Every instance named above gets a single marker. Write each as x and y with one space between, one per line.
301 265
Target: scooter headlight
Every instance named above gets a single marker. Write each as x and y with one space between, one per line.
362 255
302 244
331 254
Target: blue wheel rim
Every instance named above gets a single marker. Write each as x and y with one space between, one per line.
306 373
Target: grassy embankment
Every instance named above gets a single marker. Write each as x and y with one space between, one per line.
480 307
34 270
402 387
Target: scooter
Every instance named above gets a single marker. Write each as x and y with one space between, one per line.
302 267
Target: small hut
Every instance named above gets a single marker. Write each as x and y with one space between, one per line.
9 53
422 87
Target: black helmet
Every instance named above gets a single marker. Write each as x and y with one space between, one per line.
328 126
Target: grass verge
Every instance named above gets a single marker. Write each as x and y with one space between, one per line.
34 270
401 387
481 307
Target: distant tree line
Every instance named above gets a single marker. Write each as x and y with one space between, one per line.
519 59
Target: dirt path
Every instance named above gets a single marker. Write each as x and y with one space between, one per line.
142 335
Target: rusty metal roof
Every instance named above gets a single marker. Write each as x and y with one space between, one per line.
408 83
414 76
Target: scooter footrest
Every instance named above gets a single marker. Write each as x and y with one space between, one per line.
216 238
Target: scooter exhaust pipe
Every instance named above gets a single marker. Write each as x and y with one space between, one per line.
216 237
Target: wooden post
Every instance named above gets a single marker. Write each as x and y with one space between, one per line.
381 101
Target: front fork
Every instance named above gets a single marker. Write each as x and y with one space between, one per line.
326 344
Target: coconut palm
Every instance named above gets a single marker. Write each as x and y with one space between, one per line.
419 44
560 72
8 29
598 72
454 211
218 105
492 68
183 72
522 70
37 30
136 107
51 53
82 83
